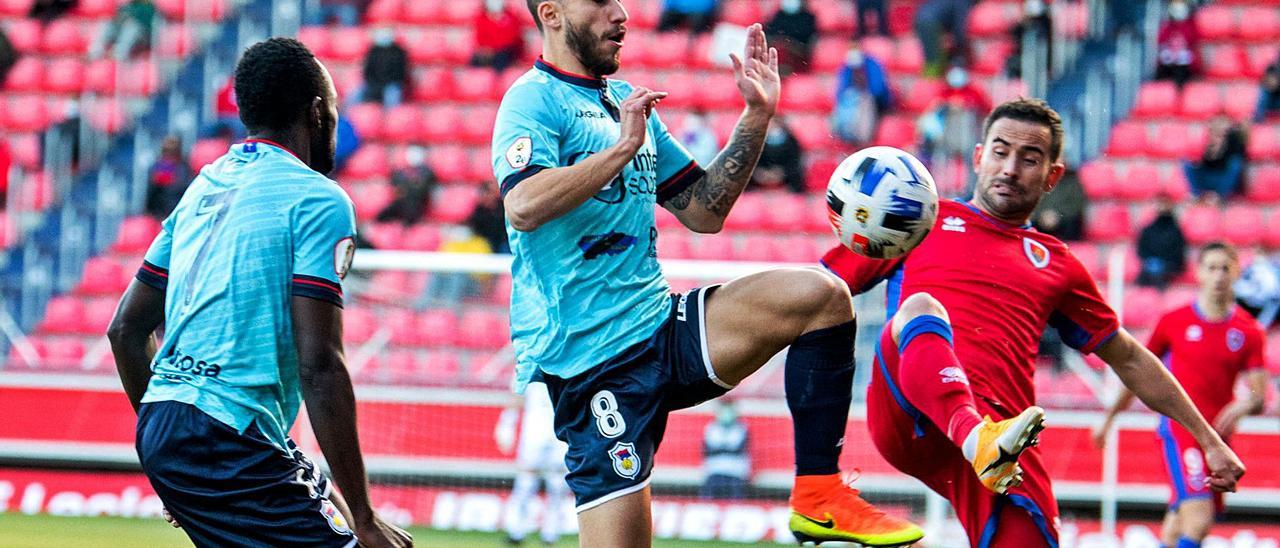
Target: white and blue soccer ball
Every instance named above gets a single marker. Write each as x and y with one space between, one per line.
881 202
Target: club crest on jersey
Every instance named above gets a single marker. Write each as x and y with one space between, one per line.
1036 252
1194 333
1235 339
625 460
953 224
335 518
343 252
953 374
520 152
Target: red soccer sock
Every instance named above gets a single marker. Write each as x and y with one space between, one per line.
933 380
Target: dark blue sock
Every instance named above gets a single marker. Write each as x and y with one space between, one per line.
1184 542
819 386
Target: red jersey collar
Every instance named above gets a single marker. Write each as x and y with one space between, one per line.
570 77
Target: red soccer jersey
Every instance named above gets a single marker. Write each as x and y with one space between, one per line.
1001 285
1206 357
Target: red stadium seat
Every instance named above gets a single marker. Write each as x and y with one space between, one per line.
1201 224
807 92
105 115
748 213
1263 186
785 213
799 249
454 204
1128 139
94 9
1271 234
474 84
402 123
440 367
1099 180
1241 100
675 243
440 124
819 172
368 162
100 76
458 13
348 43
1245 226
63 353
1259 56
63 314
742 12
371 199
1264 143
102 276
1088 255
990 19
707 247
98 314
480 168
1259 24
367 118
758 248
316 38
65 37
139 78
404 329
25 149
479 127
921 94
1142 306
665 219
422 237
719 92
1141 182
450 163
878 47
668 50
206 151
813 132
1107 223
358 325
1224 61
816 221
1215 22
24 34
895 131
1174 184
1201 100
26 75
432 84
136 234
1175 141
1156 99
383 11
910 56
483 329
422 12
829 54
64 75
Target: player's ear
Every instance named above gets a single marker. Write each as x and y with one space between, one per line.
1056 171
550 13
977 156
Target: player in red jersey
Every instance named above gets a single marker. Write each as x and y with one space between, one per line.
968 307
1207 345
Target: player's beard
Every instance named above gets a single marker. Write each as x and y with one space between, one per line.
590 51
1016 206
324 149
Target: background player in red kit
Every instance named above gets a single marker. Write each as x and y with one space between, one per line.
1207 345
969 306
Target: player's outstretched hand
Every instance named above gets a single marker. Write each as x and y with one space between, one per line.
1224 466
169 518
756 73
380 534
634 113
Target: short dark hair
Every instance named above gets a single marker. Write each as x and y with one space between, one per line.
533 9
276 79
1224 247
1034 111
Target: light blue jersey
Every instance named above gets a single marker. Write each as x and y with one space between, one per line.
587 285
254 228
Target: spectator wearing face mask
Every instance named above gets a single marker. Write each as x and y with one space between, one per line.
413 185
386 70
1269 95
1217 176
1162 248
1178 46
698 138
780 161
498 33
169 178
862 95
793 31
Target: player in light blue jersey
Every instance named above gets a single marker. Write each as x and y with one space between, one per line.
246 277
582 162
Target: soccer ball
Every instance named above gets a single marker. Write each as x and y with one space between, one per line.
881 202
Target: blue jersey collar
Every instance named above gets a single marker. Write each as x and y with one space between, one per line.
569 77
993 220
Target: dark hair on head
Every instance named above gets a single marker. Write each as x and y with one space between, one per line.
533 9
1034 111
1224 247
276 79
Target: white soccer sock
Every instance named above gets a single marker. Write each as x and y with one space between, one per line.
970 447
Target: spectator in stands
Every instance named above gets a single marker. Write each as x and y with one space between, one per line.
345 12
780 161
698 15
48 10
862 96
793 30
947 127
386 70
413 184
936 19
129 32
348 143
226 123
1178 45
1269 96
447 289
498 32
1219 172
488 219
1258 289
698 138
1061 212
1035 27
168 179
726 454
1162 248
879 8
8 55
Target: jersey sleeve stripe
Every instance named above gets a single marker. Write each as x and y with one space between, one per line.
153 276
515 178
317 288
679 182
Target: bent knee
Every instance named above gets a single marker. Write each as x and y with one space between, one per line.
916 305
825 294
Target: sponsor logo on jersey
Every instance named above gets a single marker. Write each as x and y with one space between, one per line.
1036 252
1194 333
613 243
625 461
953 374
343 252
953 224
1235 339
520 152
335 518
682 307
1194 462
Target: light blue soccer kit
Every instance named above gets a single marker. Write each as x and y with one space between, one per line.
591 314
255 228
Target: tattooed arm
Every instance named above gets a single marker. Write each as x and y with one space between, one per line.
703 206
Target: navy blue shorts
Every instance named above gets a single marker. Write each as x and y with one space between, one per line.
614 415
232 489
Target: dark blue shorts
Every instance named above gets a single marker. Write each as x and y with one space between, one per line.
230 489
614 415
